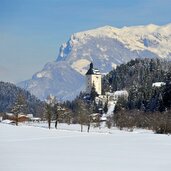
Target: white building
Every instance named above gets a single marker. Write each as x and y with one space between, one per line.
158 84
93 78
120 94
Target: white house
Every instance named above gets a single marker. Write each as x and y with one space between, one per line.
158 84
93 78
121 93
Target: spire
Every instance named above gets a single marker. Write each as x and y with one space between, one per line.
91 65
90 71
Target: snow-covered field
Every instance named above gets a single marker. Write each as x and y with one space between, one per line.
30 148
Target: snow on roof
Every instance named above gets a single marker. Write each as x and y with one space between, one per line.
30 115
9 114
96 71
22 115
7 121
103 118
35 119
120 93
94 114
158 84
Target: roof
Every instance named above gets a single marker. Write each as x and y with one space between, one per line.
92 71
158 84
7 121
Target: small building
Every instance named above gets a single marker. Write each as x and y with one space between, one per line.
7 121
35 119
158 84
21 117
10 116
97 117
93 78
30 115
121 94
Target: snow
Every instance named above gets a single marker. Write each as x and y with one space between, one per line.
103 118
131 36
60 80
80 66
106 47
158 84
43 74
120 93
111 107
32 148
9 114
7 121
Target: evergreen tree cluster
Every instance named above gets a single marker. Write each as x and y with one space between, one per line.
147 106
8 96
137 77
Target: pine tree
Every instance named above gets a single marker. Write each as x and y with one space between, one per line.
167 92
93 93
49 114
19 107
105 107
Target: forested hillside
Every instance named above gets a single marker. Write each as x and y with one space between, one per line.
137 77
8 96
148 105
138 72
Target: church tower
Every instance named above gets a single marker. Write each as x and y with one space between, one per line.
93 78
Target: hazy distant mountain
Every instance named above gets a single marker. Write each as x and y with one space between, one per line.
106 47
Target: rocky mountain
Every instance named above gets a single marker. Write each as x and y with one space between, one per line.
56 78
106 47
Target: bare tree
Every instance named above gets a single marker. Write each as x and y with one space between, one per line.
48 114
59 112
50 102
109 122
83 110
41 111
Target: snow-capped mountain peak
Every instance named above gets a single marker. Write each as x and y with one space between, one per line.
106 47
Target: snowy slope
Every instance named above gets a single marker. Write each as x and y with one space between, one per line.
56 78
111 107
106 47
33 149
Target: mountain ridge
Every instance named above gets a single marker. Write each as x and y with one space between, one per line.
106 47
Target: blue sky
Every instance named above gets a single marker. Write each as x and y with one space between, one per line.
31 31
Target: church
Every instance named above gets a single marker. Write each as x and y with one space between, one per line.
93 78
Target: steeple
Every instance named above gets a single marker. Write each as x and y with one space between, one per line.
91 65
90 71
93 79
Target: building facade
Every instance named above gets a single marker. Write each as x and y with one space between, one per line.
93 78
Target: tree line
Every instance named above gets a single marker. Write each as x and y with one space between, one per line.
9 93
147 106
